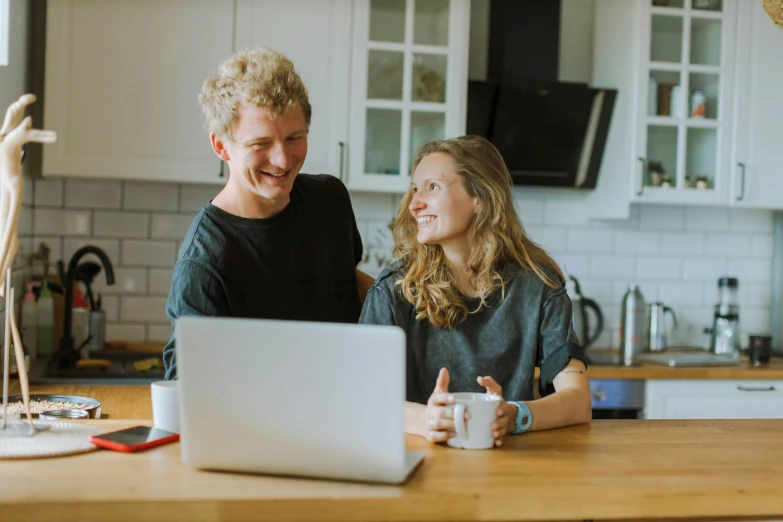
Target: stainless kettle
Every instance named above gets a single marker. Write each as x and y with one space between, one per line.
581 320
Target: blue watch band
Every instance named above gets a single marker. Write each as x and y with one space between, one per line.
524 417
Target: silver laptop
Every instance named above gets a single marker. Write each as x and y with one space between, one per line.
293 398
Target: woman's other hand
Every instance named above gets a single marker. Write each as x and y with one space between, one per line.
506 413
439 415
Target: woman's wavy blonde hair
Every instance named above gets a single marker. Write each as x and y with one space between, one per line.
259 76
496 236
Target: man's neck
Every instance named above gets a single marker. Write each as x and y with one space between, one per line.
237 201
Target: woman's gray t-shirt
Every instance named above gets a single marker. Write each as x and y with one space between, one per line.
531 327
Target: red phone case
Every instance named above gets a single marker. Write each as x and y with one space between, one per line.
130 448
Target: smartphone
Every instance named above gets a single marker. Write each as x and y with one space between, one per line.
133 439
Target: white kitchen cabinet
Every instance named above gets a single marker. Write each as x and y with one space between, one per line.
759 129
657 53
713 399
316 36
121 87
409 85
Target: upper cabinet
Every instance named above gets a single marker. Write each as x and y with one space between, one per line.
123 78
758 158
409 85
121 88
321 53
673 62
698 118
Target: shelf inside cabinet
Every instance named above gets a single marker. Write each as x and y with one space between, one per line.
662 153
700 158
695 123
667 5
705 41
666 38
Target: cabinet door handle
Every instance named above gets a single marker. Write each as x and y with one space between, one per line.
222 172
754 389
742 182
644 169
342 160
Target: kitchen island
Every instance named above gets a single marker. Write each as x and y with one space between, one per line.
608 470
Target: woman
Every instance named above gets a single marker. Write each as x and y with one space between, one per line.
481 304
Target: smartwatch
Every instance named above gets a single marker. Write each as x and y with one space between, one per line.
524 417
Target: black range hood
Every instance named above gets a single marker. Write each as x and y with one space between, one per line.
550 133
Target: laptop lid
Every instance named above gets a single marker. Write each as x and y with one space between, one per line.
292 398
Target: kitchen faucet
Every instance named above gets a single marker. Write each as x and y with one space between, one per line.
68 354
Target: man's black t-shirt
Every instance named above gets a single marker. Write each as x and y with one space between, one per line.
297 265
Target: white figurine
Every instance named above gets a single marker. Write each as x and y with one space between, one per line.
14 133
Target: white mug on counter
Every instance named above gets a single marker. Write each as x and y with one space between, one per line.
165 405
476 433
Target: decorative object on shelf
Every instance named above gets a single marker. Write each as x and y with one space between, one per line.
702 182
14 134
664 101
431 86
774 9
676 108
667 181
707 5
656 173
698 104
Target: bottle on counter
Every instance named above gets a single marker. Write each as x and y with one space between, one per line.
80 323
29 330
97 327
45 322
632 326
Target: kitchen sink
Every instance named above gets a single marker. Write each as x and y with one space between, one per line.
121 371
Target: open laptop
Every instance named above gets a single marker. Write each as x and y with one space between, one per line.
293 398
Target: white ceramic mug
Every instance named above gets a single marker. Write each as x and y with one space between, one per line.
476 433
165 405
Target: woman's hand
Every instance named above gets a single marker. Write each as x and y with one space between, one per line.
438 416
506 413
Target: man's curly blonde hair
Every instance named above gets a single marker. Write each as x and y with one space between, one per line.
259 76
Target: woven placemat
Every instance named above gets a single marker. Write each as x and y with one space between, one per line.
62 438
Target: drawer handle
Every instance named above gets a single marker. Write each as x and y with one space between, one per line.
745 388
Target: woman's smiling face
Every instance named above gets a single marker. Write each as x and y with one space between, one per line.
441 205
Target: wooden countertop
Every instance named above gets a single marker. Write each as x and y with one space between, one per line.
607 470
743 371
117 402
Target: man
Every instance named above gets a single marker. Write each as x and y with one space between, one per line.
273 243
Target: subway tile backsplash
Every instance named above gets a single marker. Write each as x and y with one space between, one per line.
674 253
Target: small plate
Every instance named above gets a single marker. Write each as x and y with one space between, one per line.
93 406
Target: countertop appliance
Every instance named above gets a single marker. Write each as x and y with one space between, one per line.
581 319
726 321
551 133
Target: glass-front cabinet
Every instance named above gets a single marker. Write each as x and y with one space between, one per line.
409 81
685 103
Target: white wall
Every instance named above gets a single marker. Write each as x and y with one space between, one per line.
12 85
12 76
675 253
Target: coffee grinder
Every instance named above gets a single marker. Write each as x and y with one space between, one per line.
725 325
